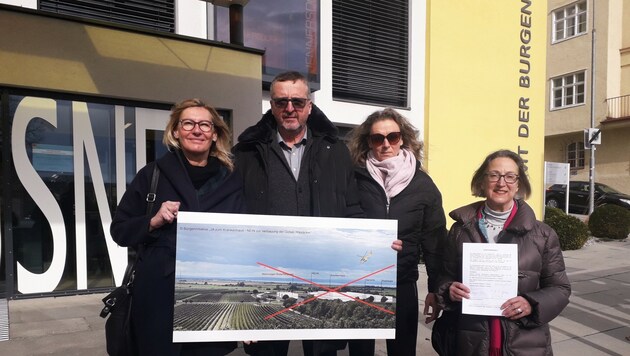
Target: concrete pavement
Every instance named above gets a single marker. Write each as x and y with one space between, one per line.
596 322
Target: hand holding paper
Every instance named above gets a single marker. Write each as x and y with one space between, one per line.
490 271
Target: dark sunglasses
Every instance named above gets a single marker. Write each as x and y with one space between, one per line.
298 103
392 138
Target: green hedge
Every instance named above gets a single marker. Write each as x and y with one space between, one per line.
610 221
553 212
571 231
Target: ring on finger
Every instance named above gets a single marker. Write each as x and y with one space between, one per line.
519 310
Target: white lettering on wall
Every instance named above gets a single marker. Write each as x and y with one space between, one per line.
84 150
83 141
47 281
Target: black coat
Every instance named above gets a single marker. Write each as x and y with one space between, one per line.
331 179
153 291
421 222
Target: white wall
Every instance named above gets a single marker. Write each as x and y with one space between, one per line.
31 4
191 18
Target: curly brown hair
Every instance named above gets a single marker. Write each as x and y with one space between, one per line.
358 143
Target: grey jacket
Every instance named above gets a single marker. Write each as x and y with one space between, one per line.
542 280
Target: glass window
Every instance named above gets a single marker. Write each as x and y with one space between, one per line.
60 208
370 59
569 21
575 155
568 90
288 31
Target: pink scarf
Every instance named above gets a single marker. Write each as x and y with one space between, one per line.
393 174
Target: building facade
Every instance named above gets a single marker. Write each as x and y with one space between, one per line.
84 102
85 95
588 73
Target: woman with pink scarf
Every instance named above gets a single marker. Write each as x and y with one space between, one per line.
392 185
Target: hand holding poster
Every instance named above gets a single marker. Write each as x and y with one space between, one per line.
260 277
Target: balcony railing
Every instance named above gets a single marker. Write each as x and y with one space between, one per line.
618 108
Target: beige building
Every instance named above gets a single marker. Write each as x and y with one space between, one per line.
574 93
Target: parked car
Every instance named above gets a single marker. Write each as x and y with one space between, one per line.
579 196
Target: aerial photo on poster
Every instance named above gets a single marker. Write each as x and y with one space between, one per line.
262 277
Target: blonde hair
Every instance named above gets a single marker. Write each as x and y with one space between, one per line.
220 149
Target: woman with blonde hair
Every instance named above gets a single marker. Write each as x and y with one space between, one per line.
196 174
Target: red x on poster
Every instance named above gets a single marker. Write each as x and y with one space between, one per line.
258 277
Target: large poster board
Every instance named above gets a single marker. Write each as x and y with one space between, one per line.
262 277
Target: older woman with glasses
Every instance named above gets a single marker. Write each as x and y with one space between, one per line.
195 175
543 287
392 185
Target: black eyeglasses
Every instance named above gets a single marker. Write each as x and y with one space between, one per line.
510 178
189 125
298 103
392 138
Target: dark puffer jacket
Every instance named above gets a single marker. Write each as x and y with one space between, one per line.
542 280
421 221
331 178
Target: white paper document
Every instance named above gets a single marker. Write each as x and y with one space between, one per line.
491 273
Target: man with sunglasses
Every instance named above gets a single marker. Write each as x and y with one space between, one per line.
293 163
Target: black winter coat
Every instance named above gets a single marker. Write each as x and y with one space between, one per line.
331 182
331 178
542 280
421 222
153 290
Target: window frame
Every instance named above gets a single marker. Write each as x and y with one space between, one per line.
275 31
570 18
569 88
576 149
371 64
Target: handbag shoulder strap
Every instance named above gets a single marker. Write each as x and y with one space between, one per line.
153 190
132 255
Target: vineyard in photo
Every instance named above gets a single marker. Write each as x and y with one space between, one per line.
212 308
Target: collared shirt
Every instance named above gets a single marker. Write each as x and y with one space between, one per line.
293 154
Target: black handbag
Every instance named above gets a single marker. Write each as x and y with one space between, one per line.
118 334
444 333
